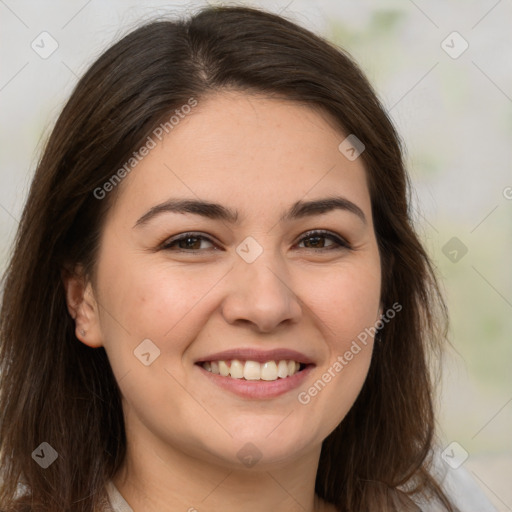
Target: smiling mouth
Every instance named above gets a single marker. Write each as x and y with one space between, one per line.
253 370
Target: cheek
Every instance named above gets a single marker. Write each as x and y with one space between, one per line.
165 303
348 304
347 312
151 299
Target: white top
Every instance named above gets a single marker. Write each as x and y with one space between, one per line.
117 502
460 487
458 484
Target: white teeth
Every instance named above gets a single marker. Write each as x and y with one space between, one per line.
269 371
252 370
223 368
282 369
236 370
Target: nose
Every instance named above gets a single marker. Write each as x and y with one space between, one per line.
260 294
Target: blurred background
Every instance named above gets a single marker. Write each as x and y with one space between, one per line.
444 72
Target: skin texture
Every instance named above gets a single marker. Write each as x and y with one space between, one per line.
259 156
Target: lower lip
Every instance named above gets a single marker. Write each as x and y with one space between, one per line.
260 389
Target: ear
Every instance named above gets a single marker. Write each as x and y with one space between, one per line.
82 307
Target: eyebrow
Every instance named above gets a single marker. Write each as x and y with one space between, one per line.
299 209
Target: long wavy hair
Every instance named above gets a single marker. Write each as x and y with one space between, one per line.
55 389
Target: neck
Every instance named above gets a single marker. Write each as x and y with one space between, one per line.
157 477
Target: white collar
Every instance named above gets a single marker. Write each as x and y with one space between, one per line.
117 502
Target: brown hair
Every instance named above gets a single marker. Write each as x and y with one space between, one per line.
55 389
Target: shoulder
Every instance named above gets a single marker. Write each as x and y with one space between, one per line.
465 492
459 486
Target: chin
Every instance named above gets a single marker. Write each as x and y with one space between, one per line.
263 448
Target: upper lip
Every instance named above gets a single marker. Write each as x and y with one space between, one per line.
261 356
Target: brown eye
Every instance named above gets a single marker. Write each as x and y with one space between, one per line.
316 240
189 242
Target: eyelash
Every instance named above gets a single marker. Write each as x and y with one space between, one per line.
340 242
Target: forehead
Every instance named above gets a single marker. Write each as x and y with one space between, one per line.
248 152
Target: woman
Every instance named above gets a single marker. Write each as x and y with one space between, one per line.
282 366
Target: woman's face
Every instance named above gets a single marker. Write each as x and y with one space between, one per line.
250 285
